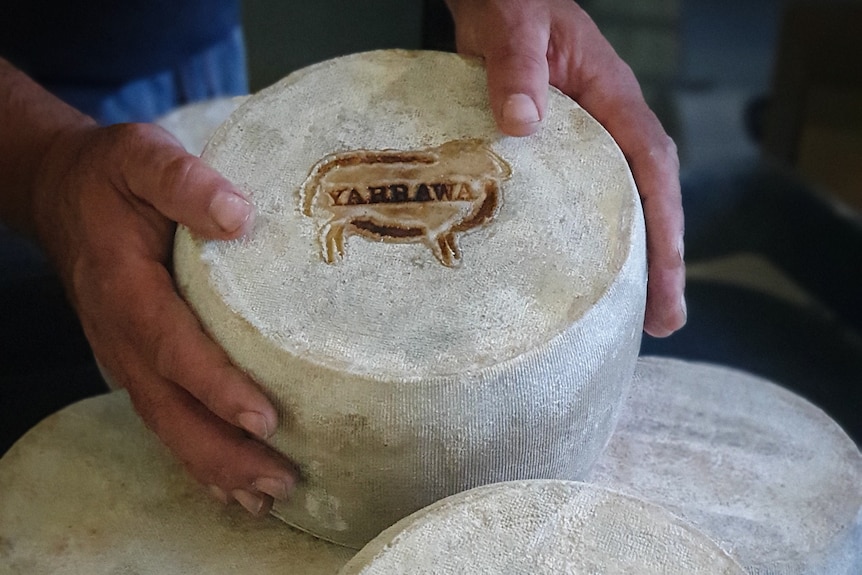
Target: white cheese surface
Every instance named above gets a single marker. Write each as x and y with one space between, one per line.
91 491
768 475
561 236
541 528
400 380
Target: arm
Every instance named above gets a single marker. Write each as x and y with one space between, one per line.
102 203
528 44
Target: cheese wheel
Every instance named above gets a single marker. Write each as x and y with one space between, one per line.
90 491
193 124
431 306
541 527
770 477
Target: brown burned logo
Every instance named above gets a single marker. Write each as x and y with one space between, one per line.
416 196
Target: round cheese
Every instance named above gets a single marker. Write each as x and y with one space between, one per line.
91 491
770 477
780 491
541 527
193 124
431 305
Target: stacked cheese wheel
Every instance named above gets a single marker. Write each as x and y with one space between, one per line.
436 308
770 477
747 469
541 526
431 305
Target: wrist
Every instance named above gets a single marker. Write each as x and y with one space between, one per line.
33 122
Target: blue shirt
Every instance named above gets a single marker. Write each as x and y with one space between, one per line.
109 42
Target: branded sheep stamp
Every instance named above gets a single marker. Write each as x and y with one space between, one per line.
415 196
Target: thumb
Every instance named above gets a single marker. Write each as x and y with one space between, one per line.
517 66
183 187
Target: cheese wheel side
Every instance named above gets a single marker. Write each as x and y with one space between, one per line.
402 376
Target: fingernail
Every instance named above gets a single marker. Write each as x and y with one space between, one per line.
230 211
684 307
252 503
520 109
275 488
254 423
218 493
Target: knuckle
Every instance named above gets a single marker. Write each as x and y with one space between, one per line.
165 354
230 467
657 159
219 472
509 60
176 174
666 148
132 131
148 407
210 395
171 361
662 149
127 138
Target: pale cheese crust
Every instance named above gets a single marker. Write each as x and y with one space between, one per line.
401 380
769 476
91 491
541 528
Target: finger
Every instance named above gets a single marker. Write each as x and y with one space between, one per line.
653 159
661 199
170 339
608 90
234 466
517 67
182 186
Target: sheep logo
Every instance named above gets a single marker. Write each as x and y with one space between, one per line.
416 196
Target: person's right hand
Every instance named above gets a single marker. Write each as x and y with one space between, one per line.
105 204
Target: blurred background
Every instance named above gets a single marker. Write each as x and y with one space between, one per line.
764 98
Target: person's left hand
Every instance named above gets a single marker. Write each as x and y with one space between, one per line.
527 44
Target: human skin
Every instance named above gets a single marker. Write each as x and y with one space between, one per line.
103 202
527 44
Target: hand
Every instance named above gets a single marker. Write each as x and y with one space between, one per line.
527 44
105 202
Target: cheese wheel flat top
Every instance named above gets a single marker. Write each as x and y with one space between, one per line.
765 473
194 124
90 491
399 234
541 528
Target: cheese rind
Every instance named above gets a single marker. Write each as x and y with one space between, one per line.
400 380
541 528
766 474
194 124
91 491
